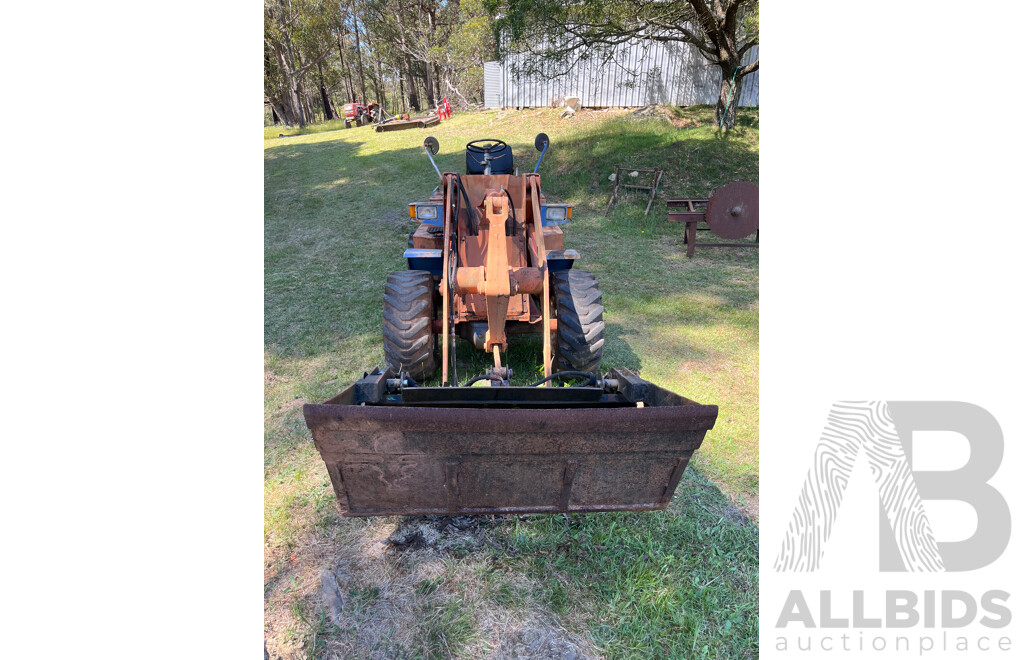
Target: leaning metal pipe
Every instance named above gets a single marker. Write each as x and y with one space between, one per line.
541 159
434 164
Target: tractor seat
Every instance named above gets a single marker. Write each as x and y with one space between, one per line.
501 161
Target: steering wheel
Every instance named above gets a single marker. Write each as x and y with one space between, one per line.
491 145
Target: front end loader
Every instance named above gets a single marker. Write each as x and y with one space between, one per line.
487 262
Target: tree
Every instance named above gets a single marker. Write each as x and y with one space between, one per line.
461 60
293 36
408 25
722 31
402 51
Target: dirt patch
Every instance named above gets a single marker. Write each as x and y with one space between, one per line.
752 508
404 588
599 115
664 113
459 535
705 364
288 406
745 512
684 122
650 112
542 638
735 515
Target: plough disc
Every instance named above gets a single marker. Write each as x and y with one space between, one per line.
733 210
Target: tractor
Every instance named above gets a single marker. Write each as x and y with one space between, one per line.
357 114
508 273
487 261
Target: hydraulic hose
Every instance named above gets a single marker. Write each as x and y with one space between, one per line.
473 224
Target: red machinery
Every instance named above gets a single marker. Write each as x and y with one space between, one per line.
356 114
444 109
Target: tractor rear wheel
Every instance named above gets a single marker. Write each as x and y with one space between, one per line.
409 341
580 314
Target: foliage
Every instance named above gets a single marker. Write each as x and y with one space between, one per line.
320 54
394 52
722 31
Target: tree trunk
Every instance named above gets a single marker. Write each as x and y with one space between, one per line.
401 90
282 109
328 115
359 58
296 103
291 102
307 105
351 92
728 97
428 85
438 93
378 83
414 97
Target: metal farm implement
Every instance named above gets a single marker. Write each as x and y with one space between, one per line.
731 213
487 261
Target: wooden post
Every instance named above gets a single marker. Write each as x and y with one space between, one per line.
615 192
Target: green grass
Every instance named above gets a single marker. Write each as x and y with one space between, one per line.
670 584
320 127
447 626
336 222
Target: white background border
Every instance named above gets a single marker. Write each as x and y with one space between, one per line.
893 269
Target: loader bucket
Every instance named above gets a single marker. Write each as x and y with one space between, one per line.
391 448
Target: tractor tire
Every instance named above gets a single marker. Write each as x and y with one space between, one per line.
409 343
580 339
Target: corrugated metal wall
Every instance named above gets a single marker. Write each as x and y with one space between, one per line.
638 73
492 84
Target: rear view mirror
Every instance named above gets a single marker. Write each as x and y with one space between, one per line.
431 145
541 141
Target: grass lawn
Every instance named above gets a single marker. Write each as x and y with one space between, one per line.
679 583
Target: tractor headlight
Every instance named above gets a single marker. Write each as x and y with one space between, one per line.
428 213
423 211
556 214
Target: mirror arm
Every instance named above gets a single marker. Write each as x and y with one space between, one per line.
541 157
433 163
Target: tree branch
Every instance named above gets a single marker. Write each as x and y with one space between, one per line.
316 60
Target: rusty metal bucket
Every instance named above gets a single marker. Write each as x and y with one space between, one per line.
620 445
